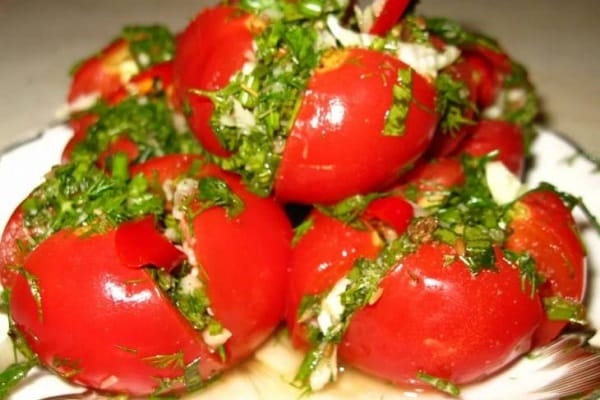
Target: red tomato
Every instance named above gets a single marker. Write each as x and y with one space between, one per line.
13 248
497 58
396 212
433 315
336 147
437 174
317 263
139 245
445 142
436 317
156 77
425 183
210 51
543 227
101 73
243 261
496 135
170 166
122 144
100 323
244 257
488 80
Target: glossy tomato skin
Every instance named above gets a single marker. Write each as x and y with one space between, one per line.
212 48
328 250
101 74
246 283
504 137
317 264
243 257
160 169
427 183
543 227
449 323
487 79
100 323
434 316
336 146
13 247
435 175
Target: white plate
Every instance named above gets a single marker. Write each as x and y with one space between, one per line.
266 375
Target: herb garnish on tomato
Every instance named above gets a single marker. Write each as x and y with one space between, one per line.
466 217
148 122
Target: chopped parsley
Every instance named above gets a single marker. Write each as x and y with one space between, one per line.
215 192
440 384
350 209
80 195
453 103
13 375
146 121
190 380
188 293
562 309
470 220
149 44
302 229
402 97
254 112
17 371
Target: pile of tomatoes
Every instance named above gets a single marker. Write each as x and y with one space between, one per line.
291 162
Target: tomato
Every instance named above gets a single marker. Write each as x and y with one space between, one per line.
496 135
122 144
246 286
213 47
337 146
138 245
426 183
79 125
434 315
241 258
543 227
445 142
395 212
100 323
14 245
168 167
316 264
488 80
244 257
156 78
102 74
436 174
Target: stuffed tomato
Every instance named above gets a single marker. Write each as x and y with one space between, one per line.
133 51
446 295
288 110
177 273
